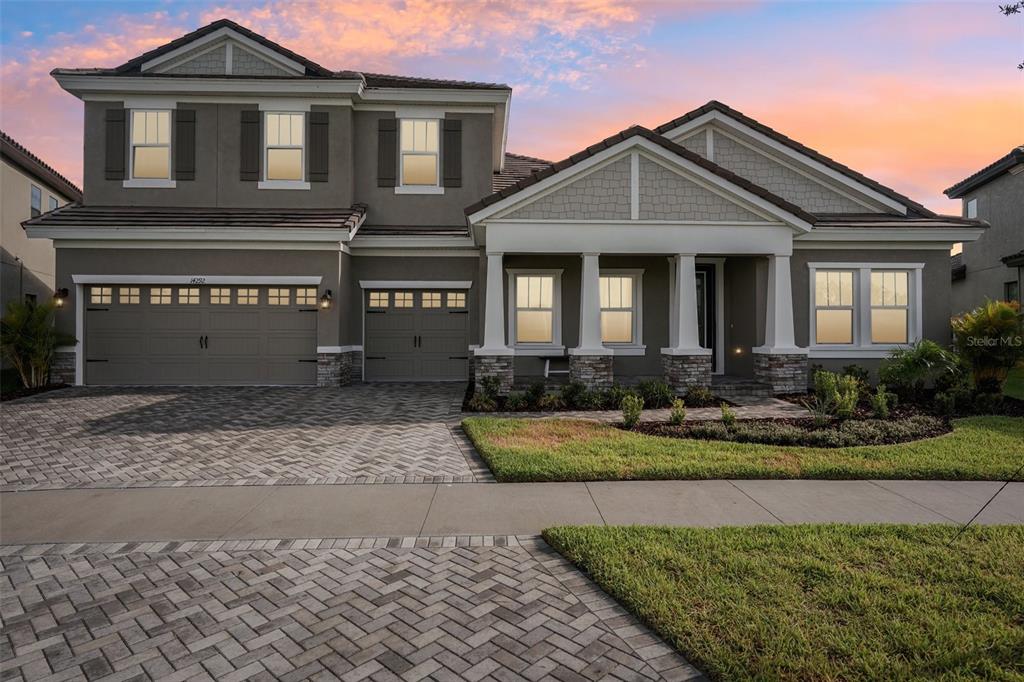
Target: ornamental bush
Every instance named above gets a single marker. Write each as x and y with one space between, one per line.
990 339
632 408
655 393
907 371
677 415
29 340
837 394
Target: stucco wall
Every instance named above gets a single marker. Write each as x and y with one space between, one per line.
1001 203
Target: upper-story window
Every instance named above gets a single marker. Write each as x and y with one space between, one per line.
285 146
420 155
971 210
53 204
151 145
36 206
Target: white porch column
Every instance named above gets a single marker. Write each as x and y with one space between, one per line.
684 333
494 308
778 325
590 309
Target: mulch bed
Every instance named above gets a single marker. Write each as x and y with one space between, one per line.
1011 407
16 394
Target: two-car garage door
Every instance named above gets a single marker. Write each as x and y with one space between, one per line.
220 335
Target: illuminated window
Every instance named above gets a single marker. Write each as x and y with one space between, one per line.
535 308
305 296
248 296
151 145
160 295
833 303
890 306
403 299
128 295
101 295
456 299
619 298
188 295
419 152
431 299
278 296
378 299
220 296
284 137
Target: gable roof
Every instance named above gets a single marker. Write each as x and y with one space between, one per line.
133 67
986 174
661 141
715 105
21 157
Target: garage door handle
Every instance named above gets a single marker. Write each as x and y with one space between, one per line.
92 310
458 357
376 357
95 360
307 360
375 312
458 312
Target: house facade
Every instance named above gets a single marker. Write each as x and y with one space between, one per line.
991 267
28 188
250 216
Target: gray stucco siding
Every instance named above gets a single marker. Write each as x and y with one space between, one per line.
202 262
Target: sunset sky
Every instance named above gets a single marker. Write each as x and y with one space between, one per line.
916 95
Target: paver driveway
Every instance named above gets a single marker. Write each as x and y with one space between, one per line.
239 435
188 611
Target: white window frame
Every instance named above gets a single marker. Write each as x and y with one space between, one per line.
636 346
53 204
862 347
555 347
400 187
266 183
35 192
971 208
150 183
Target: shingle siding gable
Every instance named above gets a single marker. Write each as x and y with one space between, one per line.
666 195
601 195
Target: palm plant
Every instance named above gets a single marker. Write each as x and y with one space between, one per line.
991 339
29 340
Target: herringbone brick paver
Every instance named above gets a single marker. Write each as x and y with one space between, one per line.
140 437
511 610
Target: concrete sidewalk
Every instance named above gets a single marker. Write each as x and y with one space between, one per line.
285 512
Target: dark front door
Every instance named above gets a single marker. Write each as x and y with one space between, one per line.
706 323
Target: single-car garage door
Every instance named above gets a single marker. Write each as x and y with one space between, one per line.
418 335
220 335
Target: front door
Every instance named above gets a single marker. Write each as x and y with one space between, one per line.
706 311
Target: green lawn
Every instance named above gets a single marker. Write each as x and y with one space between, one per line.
820 602
980 448
1014 386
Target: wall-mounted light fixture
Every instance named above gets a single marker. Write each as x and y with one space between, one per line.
738 351
325 300
59 297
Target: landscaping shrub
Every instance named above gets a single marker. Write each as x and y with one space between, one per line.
945 403
678 413
837 393
988 403
551 401
768 432
534 394
614 395
516 402
820 409
655 393
700 396
907 371
709 431
880 402
590 400
632 408
481 402
490 387
572 392
859 373
29 340
845 434
728 416
990 339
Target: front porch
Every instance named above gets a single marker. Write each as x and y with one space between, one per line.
721 320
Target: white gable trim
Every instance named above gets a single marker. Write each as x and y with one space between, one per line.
653 151
263 51
727 122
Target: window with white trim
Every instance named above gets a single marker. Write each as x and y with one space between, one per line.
971 209
151 144
534 320
420 144
871 307
52 204
620 308
284 137
36 199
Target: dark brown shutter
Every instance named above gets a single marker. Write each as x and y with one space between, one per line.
451 150
318 146
185 144
116 136
249 163
387 152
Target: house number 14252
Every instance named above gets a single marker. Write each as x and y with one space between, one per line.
197 280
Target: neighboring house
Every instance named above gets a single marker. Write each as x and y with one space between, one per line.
990 268
28 188
253 217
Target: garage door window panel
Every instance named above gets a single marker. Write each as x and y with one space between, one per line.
248 296
128 295
431 299
456 299
101 295
403 299
220 296
379 299
188 295
279 296
305 296
160 296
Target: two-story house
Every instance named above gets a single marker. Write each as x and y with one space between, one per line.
991 267
253 217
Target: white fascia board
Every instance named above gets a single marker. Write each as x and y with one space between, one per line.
82 85
238 245
187 234
413 284
651 149
246 42
891 234
312 280
405 242
436 95
727 121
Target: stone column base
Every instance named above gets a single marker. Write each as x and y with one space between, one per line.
784 372
683 371
333 369
62 369
593 371
356 363
497 366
